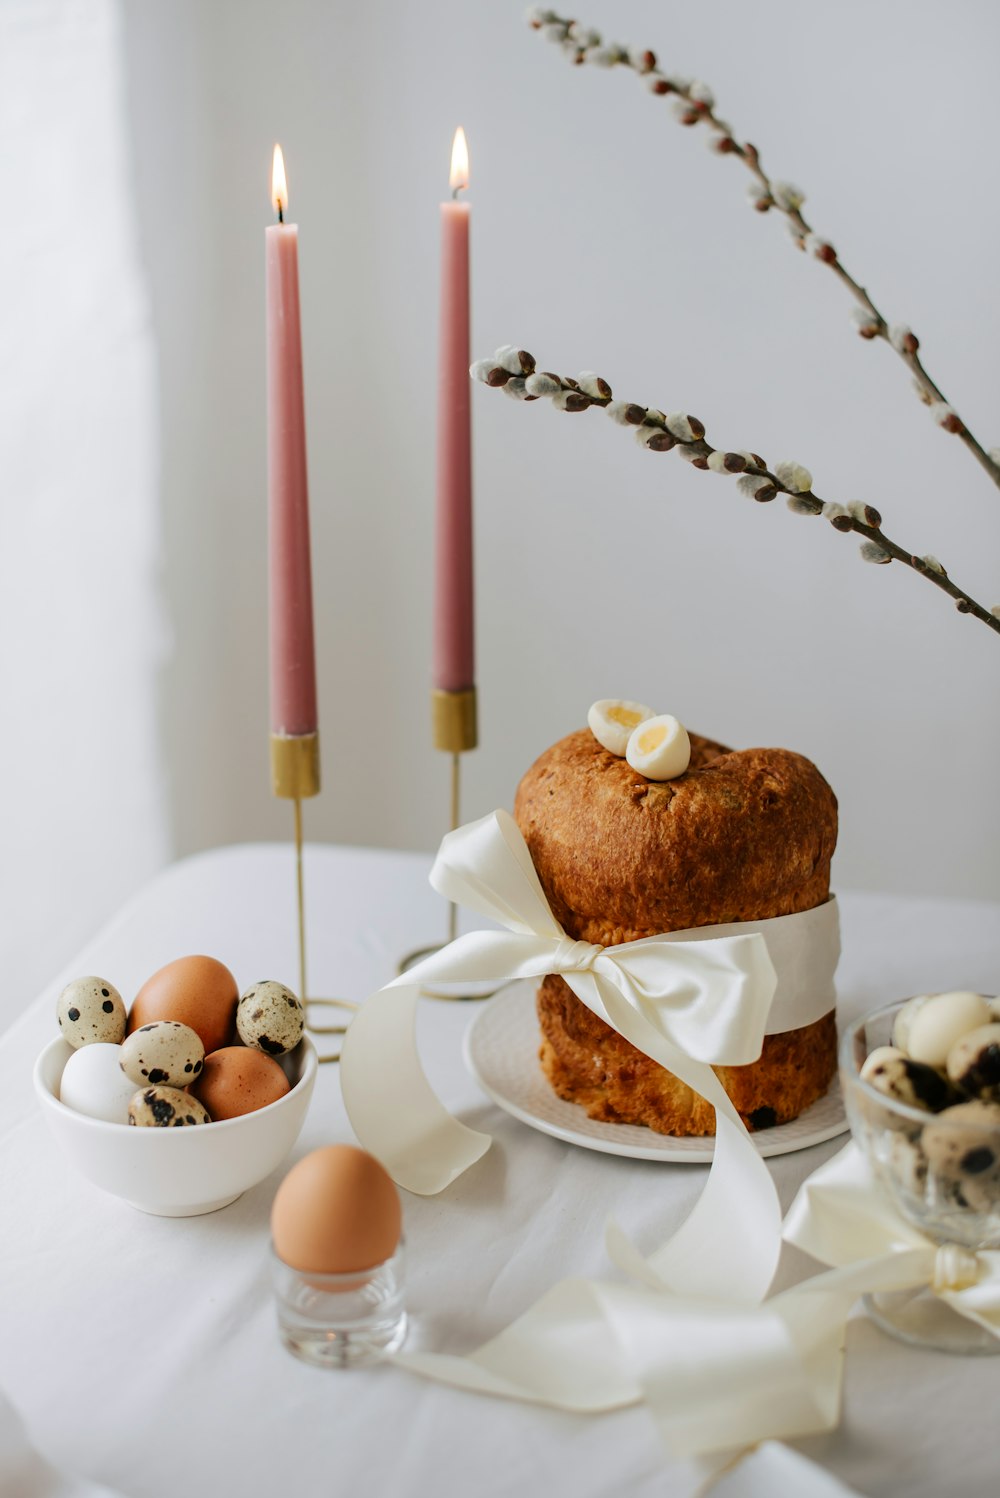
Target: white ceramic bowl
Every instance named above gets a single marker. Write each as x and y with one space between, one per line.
178 1172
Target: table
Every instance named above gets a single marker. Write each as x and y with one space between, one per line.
142 1351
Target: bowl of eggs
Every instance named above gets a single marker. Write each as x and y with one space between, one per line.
921 1082
183 1102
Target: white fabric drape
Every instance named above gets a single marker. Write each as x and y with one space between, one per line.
81 629
25 1473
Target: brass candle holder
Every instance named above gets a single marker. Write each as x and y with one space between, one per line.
295 777
455 730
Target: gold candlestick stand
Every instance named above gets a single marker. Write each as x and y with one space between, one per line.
455 731
295 777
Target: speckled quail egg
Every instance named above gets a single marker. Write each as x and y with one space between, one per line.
876 1057
910 1082
942 1021
164 1052
659 748
906 1163
89 1010
270 1018
979 1194
165 1108
612 720
962 1146
974 1063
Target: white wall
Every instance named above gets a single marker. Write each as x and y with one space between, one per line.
82 629
605 236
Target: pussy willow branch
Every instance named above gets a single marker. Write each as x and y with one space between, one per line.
514 370
695 104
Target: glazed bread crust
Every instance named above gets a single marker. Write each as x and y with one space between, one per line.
741 836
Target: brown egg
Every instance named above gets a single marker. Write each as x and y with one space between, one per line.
336 1211
197 991
238 1080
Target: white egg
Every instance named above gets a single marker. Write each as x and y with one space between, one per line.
94 1083
659 748
942 1021
612 720
904 1019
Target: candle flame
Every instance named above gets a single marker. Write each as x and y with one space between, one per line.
279 187
459 176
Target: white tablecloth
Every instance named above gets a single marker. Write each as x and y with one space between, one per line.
142 1351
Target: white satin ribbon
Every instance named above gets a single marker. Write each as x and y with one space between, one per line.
842 1216
716 1375
687 1004
772 1469
805 950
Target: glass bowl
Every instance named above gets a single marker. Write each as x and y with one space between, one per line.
941 1176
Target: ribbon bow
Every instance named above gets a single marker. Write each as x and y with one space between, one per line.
687 1004
844 1218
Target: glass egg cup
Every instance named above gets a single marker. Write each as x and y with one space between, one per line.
947 1184
341 1320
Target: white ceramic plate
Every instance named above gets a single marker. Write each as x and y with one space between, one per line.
501 1051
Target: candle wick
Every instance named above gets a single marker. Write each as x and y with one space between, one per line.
456 190
281 213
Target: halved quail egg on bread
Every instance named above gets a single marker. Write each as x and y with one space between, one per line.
659 748
612 721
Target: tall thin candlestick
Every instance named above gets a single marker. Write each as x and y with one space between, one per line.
454 635
453 696
293 662
454 674
294 715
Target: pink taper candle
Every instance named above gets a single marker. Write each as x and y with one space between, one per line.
293 662
454 649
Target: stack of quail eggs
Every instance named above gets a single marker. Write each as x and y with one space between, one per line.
940 1151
